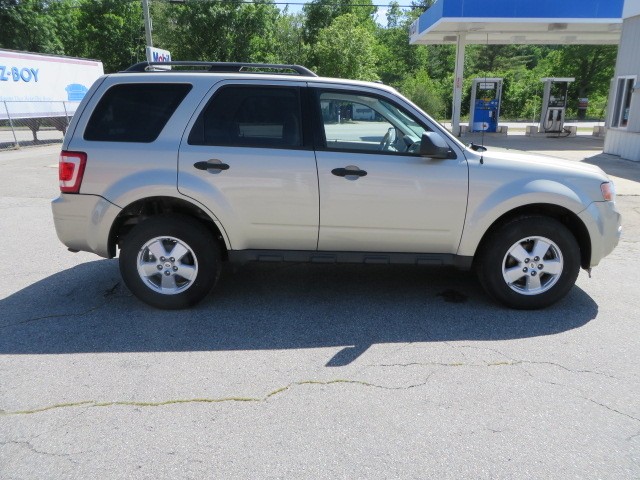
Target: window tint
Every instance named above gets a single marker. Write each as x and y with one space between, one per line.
250 117
366 123
134 112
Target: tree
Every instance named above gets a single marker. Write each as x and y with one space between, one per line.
346 49
28 25
396 57
503 57
424 92
222 31
113 32
321 13
289 46
591 65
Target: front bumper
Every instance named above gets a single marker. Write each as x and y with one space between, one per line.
83 222
605 228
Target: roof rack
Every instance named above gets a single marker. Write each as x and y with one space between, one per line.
227 67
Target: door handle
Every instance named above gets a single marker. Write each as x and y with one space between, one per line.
213 164
348 172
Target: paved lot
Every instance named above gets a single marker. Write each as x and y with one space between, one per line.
298 371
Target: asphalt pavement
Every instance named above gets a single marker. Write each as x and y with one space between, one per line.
311 371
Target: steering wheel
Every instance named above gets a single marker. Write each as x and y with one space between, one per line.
388 139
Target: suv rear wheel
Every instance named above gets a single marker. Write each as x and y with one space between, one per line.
170 261
530 262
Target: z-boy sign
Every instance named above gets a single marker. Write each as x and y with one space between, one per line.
33 85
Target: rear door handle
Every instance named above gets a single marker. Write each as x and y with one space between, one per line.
349 171
213 164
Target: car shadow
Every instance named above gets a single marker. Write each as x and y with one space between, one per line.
273 306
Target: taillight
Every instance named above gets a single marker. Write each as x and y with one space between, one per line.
71 170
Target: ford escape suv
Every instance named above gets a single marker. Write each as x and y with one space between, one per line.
180 170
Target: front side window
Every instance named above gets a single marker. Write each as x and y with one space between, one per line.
364 123
134 112
247 116
622 104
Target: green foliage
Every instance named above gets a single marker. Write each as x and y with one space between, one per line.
319 14
113 32
29 25
591 65
424 92
335 37
396 57
222 31
289 46
345 49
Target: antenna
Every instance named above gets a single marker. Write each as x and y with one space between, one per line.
483 129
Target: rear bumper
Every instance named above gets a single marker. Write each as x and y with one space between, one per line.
605 228
83 222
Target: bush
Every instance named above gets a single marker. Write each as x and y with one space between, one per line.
424 92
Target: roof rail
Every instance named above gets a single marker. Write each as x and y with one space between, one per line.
228 67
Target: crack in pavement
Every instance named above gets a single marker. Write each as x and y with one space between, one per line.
633 436
48 317
491 364
612 409
515 361
579 395
109 294
29 445
94 403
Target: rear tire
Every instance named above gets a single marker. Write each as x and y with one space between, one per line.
170 261
529 263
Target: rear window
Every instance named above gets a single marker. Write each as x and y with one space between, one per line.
243 116
134 112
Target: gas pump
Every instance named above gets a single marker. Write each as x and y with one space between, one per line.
554 104
486 95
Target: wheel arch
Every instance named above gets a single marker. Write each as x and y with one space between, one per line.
148 207
561 214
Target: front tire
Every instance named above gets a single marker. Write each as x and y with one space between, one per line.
529 263
170 261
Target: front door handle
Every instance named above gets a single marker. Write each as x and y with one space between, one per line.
349 171
213 164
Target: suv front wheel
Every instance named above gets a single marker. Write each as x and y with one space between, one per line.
170 261
530 262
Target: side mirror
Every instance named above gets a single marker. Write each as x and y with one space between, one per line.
432 145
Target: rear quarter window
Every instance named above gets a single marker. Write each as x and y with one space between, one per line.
134 112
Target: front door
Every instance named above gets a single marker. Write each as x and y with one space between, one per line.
377 193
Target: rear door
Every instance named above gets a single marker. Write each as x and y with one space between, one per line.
247 156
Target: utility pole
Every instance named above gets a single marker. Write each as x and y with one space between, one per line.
147 26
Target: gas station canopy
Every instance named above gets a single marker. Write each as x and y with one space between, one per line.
520 22
463 22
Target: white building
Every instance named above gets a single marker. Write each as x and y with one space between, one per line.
623 119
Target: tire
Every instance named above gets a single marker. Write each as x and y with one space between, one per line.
529 263
190 268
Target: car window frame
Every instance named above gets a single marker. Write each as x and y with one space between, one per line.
320 140
86 130
218 88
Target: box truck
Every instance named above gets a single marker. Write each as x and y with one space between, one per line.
38 90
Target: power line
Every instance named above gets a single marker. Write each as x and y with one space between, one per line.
179 2
341 4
